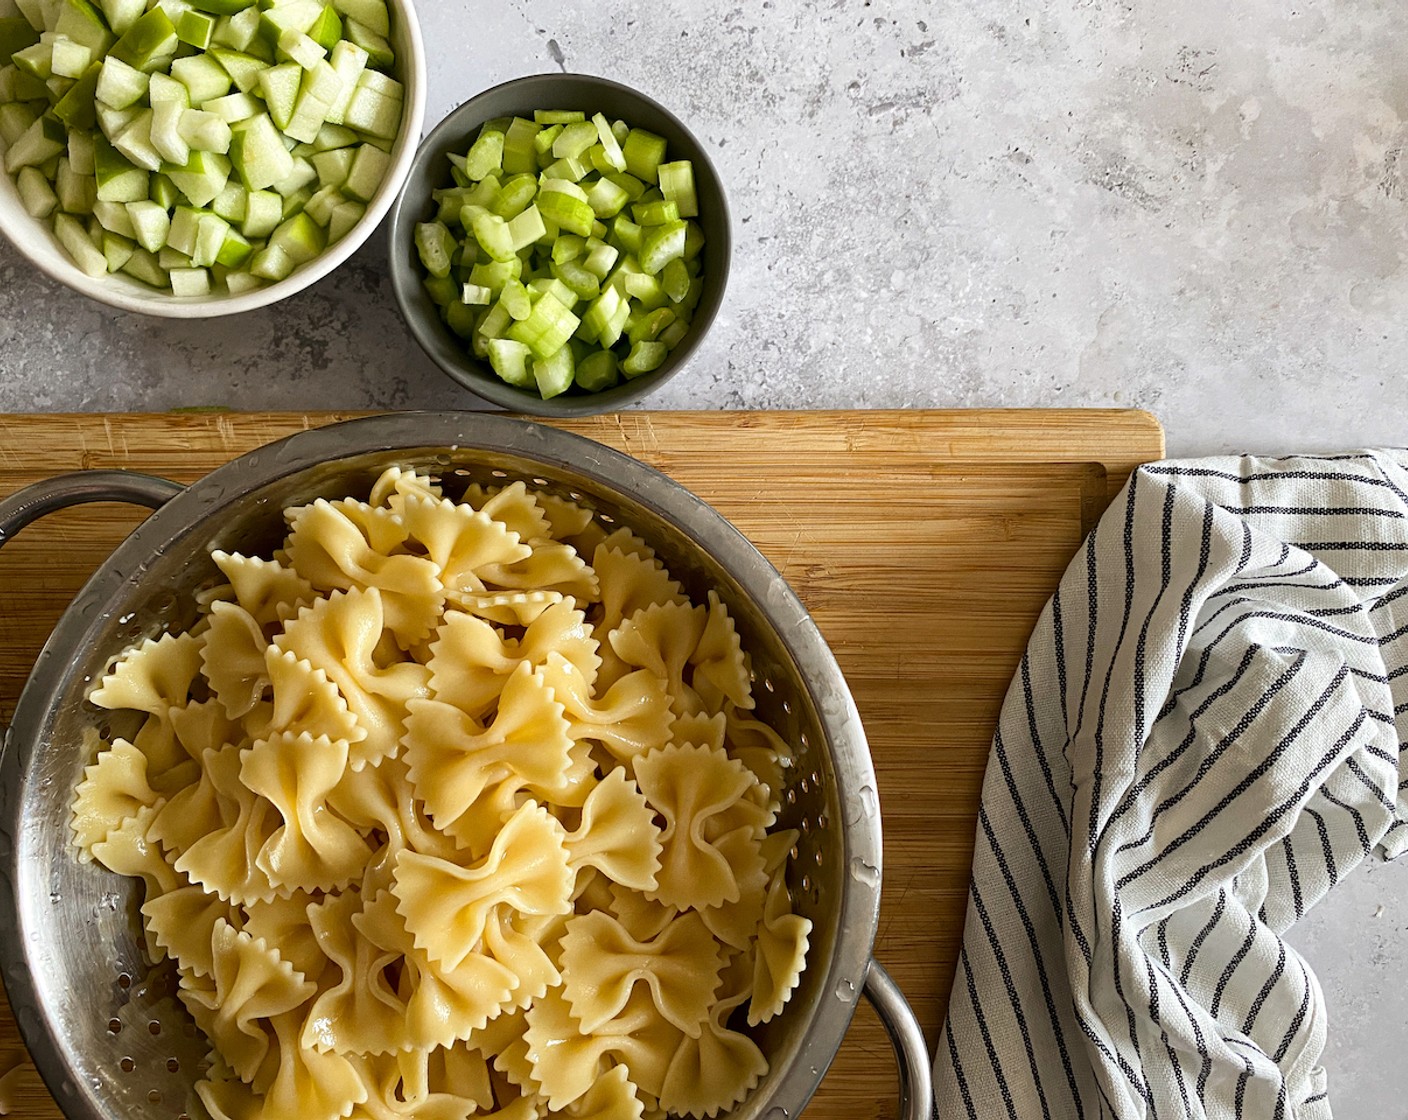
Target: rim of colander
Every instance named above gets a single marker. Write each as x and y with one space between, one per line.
553 448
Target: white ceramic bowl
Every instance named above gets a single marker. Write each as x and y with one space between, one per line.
37 242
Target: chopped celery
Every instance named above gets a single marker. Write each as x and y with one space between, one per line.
597 371
434 244
564 210
509 359
644 357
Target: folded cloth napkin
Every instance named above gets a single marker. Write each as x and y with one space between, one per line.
1201 740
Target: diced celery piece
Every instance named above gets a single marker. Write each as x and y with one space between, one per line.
568 247
195 28
509 359
543 142
36 194
658 213
563 210
633 187
574 140
600 259
442 290
461 318
494 238
644 357
661 244
526 229
41 141
233 107
485 156
646 290
494 275
648 326
674 333
548 327
552 286
370 13
434 244
515 196
644 152
476 294
553 374
345 215
606 199
610 146
369 167
674 278
573 170
204 78
693 240
74 238
516 300
150 224
519 156
379 52
558 116
597 371
583 284
190 282
149 43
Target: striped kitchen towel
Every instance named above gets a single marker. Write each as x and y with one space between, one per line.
1203 737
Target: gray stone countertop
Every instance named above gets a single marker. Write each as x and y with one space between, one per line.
1198 208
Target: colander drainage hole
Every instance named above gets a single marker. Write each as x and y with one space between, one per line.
124 981
114 1026
154 1096
154 1027
127 1065
173 1066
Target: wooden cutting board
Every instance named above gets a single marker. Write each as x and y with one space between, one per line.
924 543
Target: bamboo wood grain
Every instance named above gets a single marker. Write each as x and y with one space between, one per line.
924 543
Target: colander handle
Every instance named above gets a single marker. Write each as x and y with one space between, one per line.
80 488
907 1037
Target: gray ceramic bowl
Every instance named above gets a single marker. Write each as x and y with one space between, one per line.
431 170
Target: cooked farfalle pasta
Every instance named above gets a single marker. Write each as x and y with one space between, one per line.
454 808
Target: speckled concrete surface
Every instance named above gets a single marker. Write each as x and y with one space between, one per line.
1194 207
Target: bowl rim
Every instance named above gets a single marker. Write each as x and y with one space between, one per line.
843 975
36 242
471 373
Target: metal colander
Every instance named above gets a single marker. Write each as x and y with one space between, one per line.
104 1027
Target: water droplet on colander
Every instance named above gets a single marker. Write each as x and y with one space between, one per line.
777 1112
846 991
125 619
863 872
55 897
